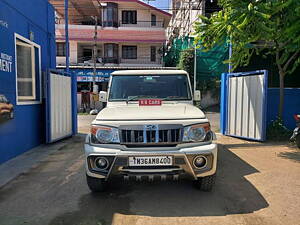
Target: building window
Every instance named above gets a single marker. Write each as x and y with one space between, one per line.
129 17
110 15
153 20
27 70
60 49
111 53
129 52
153 54
87 54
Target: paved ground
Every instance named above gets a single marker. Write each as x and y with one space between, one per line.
257 184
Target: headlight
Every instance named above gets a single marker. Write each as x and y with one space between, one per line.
104 135
197 133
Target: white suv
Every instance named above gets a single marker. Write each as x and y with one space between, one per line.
150 130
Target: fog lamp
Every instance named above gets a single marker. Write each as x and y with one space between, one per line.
200 162
101 163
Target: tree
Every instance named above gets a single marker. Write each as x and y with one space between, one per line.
256 27
186 62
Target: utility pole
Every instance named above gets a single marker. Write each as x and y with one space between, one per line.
195 69
95 53
93 88
67 34
230 55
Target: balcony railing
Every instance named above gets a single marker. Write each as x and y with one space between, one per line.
141 60
101 61
154 24
89 21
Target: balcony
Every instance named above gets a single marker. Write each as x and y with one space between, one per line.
125 33
88 21
141 61
140 24
115 61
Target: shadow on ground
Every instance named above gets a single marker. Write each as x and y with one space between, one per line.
256 144
233 194
294 156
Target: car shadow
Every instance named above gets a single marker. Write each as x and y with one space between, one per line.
233 194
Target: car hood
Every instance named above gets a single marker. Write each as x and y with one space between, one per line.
163 112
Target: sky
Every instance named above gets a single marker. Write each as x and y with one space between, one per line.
161 4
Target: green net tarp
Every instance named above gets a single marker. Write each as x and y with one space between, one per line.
209 64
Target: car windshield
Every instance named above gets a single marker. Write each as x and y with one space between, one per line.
133 88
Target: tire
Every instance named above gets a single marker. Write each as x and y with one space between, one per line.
297 140
206 183
96 184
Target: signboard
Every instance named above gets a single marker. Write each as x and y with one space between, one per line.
90 79
149 102
6 69
86 75
5 62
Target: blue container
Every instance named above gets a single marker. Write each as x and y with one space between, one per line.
35 22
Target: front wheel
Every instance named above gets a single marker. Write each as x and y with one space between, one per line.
206 183
297 140
96 184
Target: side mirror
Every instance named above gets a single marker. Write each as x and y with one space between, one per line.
102 96
197 95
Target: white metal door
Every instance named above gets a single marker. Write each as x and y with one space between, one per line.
246 107
60 110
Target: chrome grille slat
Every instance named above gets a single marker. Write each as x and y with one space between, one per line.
132 136
156 135
169 135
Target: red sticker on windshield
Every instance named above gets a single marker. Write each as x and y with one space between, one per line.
144 102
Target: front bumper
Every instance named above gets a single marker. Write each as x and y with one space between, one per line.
182 161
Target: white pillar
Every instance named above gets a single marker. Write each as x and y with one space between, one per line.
73 52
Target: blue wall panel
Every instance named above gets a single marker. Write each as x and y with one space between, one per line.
291 105
26 130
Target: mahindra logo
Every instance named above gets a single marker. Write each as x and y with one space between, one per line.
151 127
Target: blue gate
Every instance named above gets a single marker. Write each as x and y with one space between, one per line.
244 104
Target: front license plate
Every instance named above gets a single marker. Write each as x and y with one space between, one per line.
151 161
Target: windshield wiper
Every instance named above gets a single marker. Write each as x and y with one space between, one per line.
174 98
137 97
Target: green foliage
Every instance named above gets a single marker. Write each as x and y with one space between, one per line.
276 131
186 62
83 114
255 27
213 85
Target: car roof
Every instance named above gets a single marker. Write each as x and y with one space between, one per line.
149 72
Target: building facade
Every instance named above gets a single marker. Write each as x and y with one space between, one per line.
130 35
27 51
184 15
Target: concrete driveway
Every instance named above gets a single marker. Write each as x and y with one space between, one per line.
256 184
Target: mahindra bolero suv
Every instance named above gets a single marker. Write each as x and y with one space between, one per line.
150 130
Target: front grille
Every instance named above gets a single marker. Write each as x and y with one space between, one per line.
151 134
